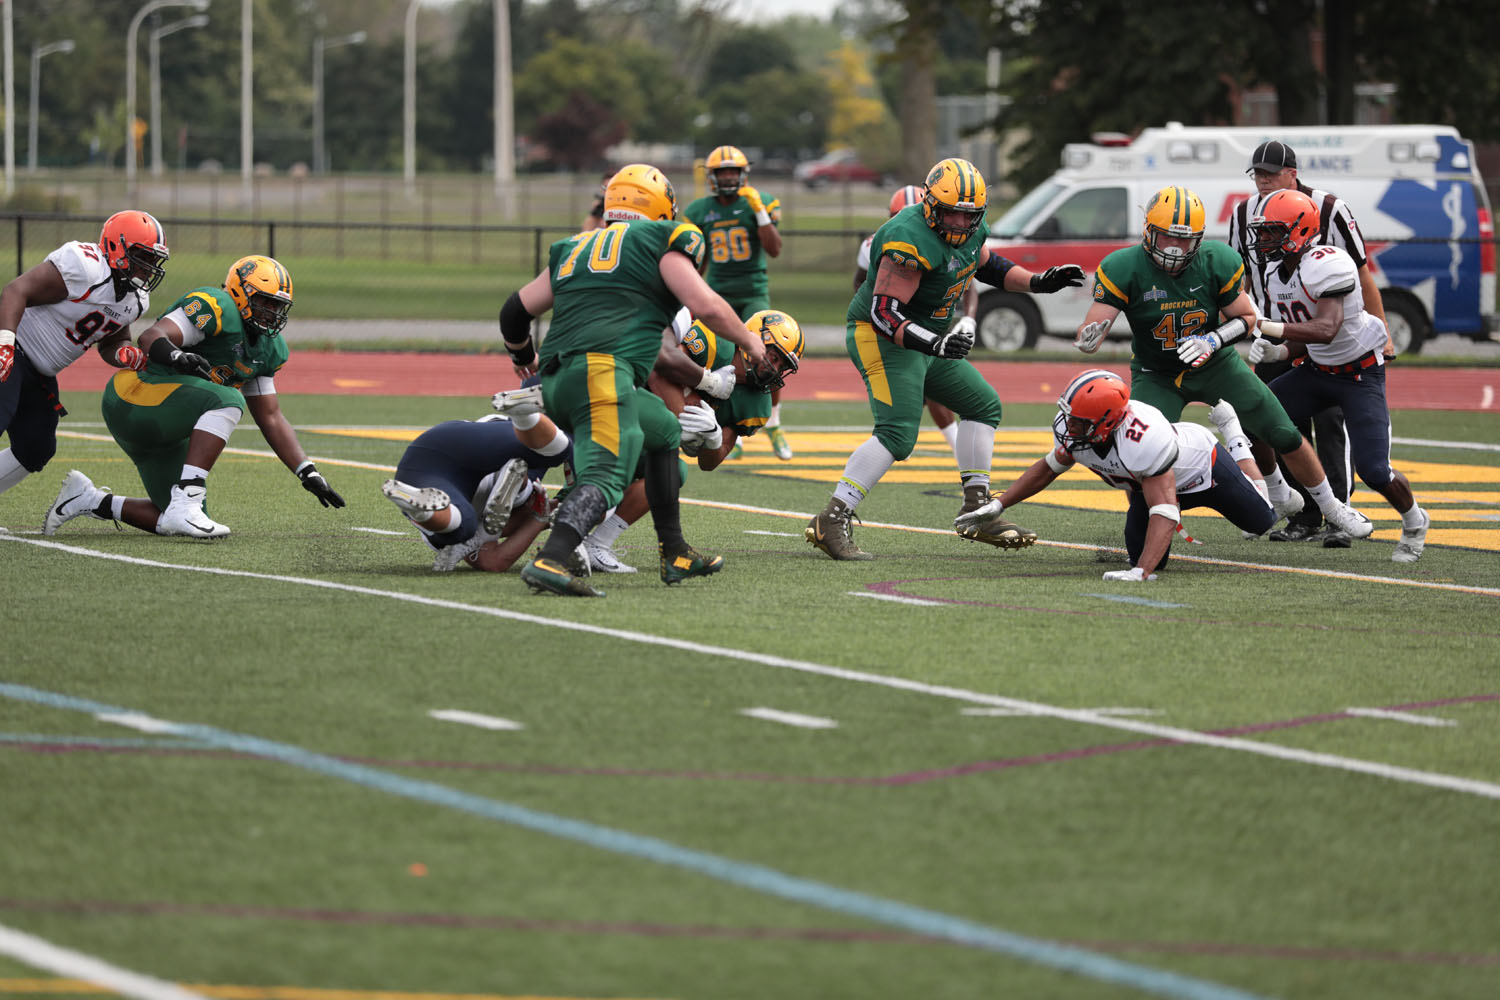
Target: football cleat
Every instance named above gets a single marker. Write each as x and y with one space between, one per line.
185 515
779 443
518 402
78 496
508 484
830 533
687 563
542 574
1295 531
1293 504
447 558
602 558
996 530
1353 523
1409 548
414 501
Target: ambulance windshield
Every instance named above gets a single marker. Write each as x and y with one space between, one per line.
1015 220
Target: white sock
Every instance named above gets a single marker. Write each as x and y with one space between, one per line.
775 420
1276 486
975 450
116 507
556 446
1411 520
865 467
609 529
193 472
11 471
950 434
1323 496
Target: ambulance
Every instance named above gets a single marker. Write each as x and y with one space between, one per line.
1415 192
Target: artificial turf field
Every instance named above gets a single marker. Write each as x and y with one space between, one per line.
969 773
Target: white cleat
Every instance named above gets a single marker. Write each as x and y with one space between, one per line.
185 515
446 559
414 500
518 402
1354 524
602 558
1293 504
78 496
507 486
1409 548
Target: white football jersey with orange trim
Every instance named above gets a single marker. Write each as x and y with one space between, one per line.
1146 444
56 335
1323 272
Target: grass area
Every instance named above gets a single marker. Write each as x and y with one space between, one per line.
373 847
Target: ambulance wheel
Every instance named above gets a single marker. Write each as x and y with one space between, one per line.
1007 322
1406 321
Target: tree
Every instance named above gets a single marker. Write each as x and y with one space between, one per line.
858 117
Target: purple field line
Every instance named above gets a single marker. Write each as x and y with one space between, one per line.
904 778
643 929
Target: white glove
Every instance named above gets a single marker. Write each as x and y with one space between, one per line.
1132 575
964 326
1193 351
1091 335
718 383
700 428
980 514
1263 350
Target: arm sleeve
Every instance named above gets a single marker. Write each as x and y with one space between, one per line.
993 271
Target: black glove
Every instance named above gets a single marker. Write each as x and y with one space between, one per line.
166 354
954 344
314 483
1057 278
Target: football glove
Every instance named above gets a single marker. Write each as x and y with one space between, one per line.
1055 279
314 483
1263 350
1132 575
7 353
130 356
700 428
1091 335
757 204
718 383
1193 351
168 355
955 344
965 325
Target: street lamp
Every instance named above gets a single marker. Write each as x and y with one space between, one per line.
154 47
321 45
409 107
37 52
130 47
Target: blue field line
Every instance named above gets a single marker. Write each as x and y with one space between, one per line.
750 876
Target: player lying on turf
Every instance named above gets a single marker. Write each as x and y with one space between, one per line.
1164 466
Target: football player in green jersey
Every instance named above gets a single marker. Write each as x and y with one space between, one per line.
612 292
740 224
1174 288
903 339
174 418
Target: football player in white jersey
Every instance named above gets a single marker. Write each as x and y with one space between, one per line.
1164 466
82 295
1315 293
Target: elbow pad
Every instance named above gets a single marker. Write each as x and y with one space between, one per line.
515 330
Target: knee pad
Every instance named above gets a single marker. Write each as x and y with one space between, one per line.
583 508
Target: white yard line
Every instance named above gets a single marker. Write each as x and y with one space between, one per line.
137 721
382 531
706 654
474 719
897 599
1408 717
40 954
790 718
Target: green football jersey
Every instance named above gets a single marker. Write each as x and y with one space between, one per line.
736 260
746 410
906 240
235 358
1163 308
608 294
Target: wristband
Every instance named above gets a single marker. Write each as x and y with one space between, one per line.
762 218
306 466
1054 464
1232 331
1169 511
1271 328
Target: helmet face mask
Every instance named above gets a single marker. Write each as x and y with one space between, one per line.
1286 226
784 345
719 164
135 249
1090 409
954 201
639 191
262 291
1177 214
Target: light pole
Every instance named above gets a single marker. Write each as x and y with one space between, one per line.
505 119
154 48
409 107
130 47
37 52
321 45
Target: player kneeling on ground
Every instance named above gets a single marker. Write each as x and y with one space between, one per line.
174 418
472 487
1163 466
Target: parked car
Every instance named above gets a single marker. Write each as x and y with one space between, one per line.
836 167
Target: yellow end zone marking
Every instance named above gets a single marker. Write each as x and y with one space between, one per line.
358 383
53 987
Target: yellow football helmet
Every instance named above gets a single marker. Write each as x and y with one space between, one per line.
639 191
262 290
955 200
725 159
1174 211
784 343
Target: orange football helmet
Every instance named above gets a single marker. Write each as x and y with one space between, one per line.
1287 223
135 248
907 196
1091 407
